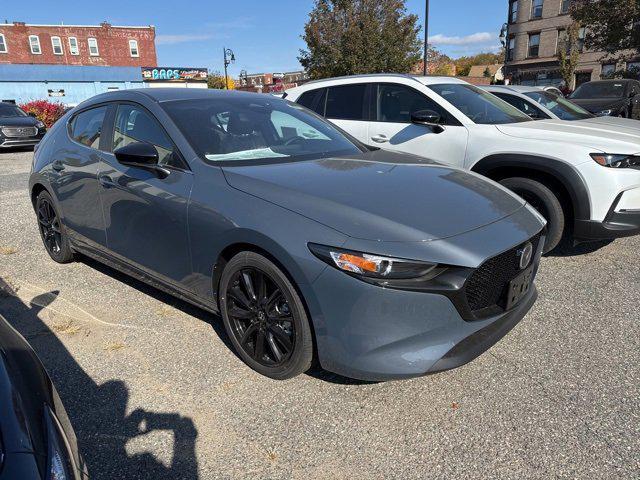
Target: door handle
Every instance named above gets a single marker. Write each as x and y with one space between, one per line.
380 138
106 181
58 166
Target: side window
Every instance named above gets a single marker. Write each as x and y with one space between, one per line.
134 124
314 100
346 102
521 104
395 103
86 127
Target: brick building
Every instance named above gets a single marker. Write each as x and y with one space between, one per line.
99 45
536 30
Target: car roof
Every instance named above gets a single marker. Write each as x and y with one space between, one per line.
514 88
613 80
171 94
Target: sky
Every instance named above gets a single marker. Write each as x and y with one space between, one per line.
265 36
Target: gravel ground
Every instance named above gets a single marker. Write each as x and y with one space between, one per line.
154 391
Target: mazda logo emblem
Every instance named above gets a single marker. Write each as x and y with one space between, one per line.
525 254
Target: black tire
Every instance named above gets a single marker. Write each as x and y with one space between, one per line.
277 321
52 230
540 197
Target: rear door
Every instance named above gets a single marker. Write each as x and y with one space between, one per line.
392 105
145 211
347 106
74 176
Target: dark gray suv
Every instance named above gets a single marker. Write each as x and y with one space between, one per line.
383 265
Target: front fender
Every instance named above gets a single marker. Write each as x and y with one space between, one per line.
566 174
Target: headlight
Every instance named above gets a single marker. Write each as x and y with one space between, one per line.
616 161
58 461
604 113
39 124
373 266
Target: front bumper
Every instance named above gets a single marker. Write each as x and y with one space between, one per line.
622 220
11 142
372 333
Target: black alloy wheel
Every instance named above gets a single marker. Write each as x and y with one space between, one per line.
265 317
51 230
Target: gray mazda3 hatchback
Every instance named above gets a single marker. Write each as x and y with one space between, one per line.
383 265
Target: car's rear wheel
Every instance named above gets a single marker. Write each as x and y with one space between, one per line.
52 231
264 317
540 197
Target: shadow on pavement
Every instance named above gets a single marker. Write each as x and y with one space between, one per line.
566 248
99 412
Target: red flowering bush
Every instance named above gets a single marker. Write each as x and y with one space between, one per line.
47 112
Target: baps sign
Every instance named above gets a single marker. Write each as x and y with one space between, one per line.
174 74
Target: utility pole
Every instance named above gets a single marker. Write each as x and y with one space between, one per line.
426 36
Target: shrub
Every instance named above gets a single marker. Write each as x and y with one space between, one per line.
47 112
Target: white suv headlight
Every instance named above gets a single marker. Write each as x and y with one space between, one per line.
616 161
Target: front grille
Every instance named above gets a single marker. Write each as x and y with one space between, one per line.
18 132
488 285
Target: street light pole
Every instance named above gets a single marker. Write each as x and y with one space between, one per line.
228 58
426 37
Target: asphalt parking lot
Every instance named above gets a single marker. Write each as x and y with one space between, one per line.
154 391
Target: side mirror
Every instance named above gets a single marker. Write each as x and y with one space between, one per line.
137 154
427 118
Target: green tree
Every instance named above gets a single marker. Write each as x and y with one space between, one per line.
569 54
464 64
612 26
346 37
216 80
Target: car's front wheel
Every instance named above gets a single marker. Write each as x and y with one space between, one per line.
52 231
264 317
540 197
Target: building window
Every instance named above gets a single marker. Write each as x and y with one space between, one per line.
3 44
536 8
565 5
608 70
534 44
73 46
633 67
34 43
513 11
56 44
581 39
511 47
93 47
133 48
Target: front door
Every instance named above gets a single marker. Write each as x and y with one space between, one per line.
391 127
145 211
74 173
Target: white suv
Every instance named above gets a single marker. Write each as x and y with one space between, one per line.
583 178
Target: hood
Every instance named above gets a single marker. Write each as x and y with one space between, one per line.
626 125
592 133
380 195
595 105
18 121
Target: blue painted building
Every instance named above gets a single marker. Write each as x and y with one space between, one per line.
65 84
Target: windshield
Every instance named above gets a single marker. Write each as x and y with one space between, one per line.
480 106
561 107
242 129
600 90
11 111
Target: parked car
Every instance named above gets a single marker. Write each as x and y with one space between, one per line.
540 105
384 264
583 180
17 128
615 98
36 437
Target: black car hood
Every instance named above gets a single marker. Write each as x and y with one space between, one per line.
379 195
595 105
18 121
